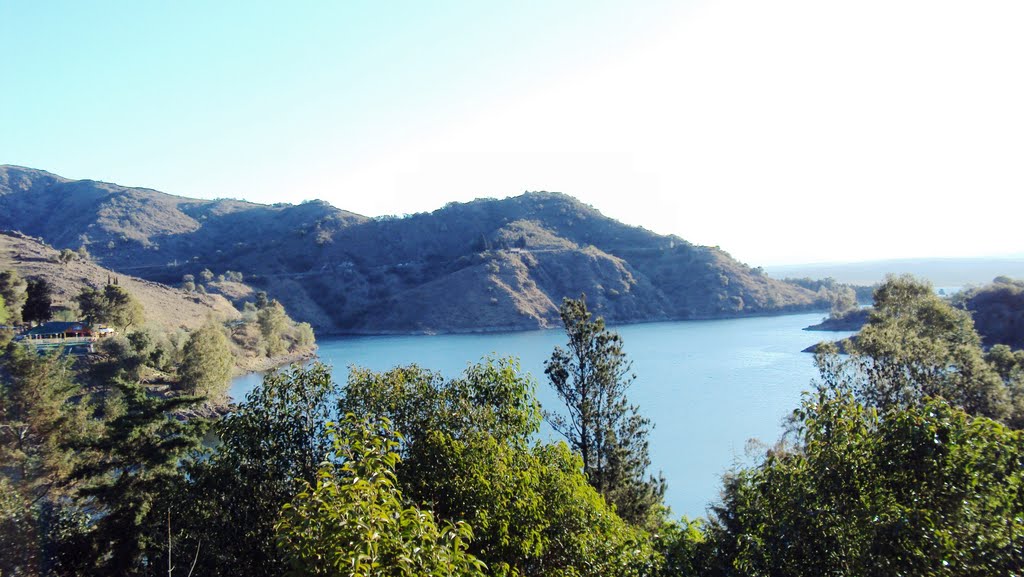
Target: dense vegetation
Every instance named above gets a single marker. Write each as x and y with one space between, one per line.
511 261
905 460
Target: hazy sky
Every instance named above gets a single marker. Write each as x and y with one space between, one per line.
784 131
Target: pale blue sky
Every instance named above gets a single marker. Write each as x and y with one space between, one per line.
785 131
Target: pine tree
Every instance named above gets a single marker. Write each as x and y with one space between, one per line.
592 378
137 458
38 298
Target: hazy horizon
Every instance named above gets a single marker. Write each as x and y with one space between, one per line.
789 132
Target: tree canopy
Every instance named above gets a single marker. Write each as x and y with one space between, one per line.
591 377
207 362
112 306
38 299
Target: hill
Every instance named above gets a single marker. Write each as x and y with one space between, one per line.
998 311
166 307
483 265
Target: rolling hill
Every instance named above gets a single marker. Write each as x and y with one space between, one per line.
483 265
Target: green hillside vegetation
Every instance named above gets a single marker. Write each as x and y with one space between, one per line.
157 326
893 465
510 261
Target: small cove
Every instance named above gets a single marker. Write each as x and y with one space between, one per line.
707 386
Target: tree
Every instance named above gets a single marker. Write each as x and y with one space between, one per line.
206 275
231 496
207 362
273 321
354 520
65 256
112 306
919 490
38 299
470 455
592 378
13 290
41 420
915 345
136 461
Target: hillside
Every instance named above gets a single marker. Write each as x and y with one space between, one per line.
164 306
482 265
998 311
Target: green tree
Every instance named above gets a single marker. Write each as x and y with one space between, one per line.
65 256
113 306
355 521
591 377
13 290
470 455
273 321
207 362
230 498
38 299
136 459
41 419
919 490
915 345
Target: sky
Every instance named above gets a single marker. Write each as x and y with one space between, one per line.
785 131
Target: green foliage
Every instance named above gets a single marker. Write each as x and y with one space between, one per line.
4 315
919 490
112 306
39 420
354 521
135 460
915 345
207 362
66 255
304 336
13 290
591 377
491 397
38 299
469 456
273 322
231 497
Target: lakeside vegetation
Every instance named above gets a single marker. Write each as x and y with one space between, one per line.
906 459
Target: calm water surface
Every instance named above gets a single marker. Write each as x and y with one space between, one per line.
708 386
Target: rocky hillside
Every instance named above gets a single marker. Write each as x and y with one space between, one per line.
165 306
483 265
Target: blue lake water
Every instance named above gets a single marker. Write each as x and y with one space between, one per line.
708 386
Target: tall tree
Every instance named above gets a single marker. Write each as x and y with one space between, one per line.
112 306
232 497
207 365
916 345
12 289
40 420
919 490
356 517
136 461
38 299
591 377
273 321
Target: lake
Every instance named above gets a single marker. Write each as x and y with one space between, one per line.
708 386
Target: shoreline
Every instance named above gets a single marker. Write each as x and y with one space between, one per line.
546 327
